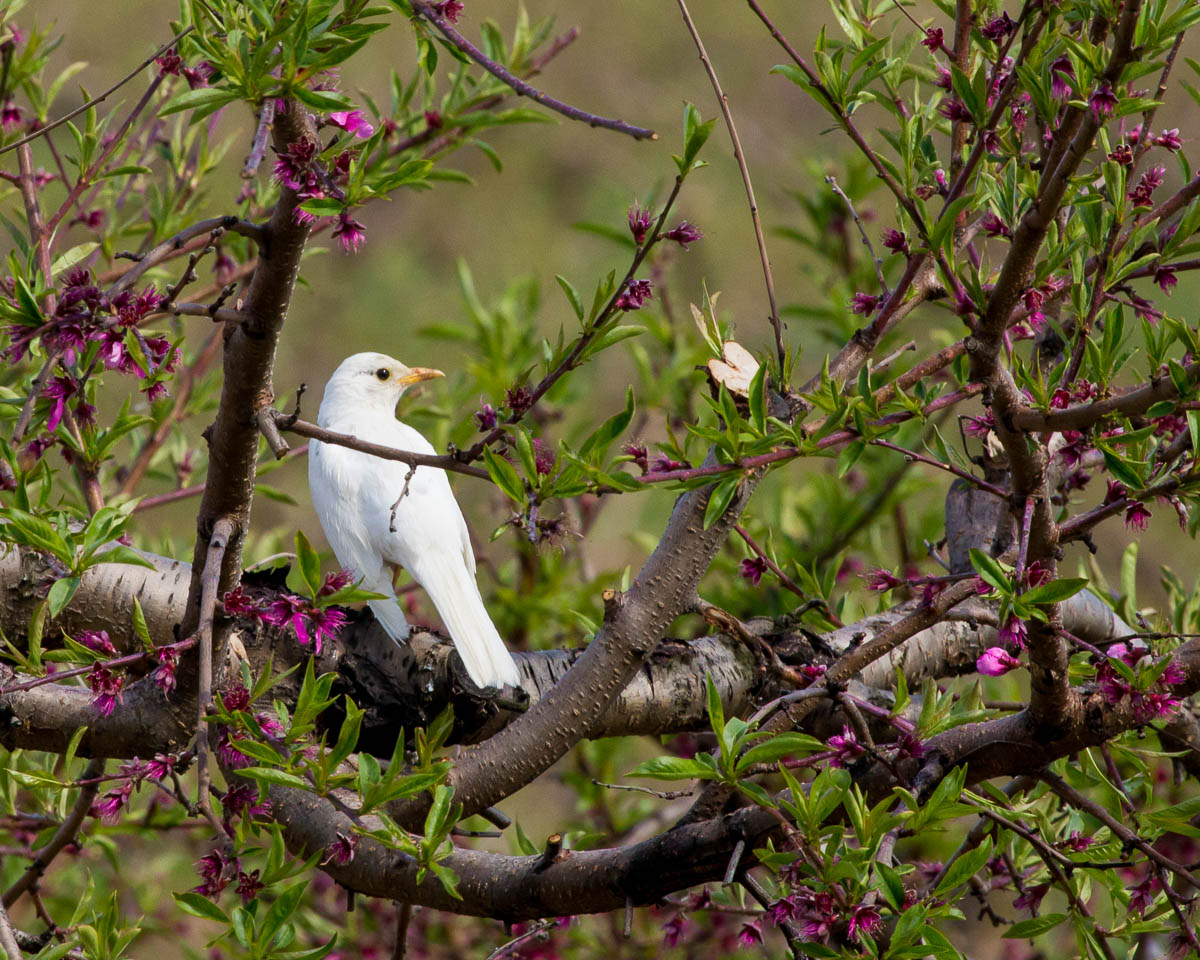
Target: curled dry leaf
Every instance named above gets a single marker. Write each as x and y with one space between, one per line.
736 371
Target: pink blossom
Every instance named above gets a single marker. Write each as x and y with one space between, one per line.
96 640
864 304
1169 139
1165 278
349 233
896 241
934 39
341 851
752 569
352 121
106 686
846 746
880 580
1137 516
1103 101
996 662
751 933
248 886
635 295
640 222
684 233
865 919
1014 633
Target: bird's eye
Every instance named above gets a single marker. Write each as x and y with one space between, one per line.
383 373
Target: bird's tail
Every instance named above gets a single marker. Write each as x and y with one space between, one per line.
389 614
455 594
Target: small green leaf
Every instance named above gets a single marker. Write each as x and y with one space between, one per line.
965 867
1035 926
198 906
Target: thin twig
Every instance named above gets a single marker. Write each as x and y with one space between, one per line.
661 794
42 131
723 101
403 918
262 134
8 937
174 245
62 836
862 232
223 530
520 86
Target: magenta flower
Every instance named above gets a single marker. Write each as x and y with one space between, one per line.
1103 101
640 222
864 304
934 39
341 851
1137 516
248 886
1076 842
349 233
751 933
1169 139
781 911
59 390
325 624
635 294
1142 195
108 807
486 418
1060 71
450 9
335 582
10 116
752 569
1165 278
241 800
1116 491
352 121
896 241
292 166
995 227
163 765
433 119
211 868
881 580
235 697
1141 897
1032 898
238 603
684 233
944 79
996 662
998 28
846 747
1014 633
164 673
639 454
518 399
664 464
673 929
96 640
198 76
544 456
954 109
865 919
106 686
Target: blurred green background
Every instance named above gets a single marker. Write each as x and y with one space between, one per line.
633 60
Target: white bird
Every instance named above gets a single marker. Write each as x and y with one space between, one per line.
375 527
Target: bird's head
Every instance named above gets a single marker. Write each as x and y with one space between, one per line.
373 380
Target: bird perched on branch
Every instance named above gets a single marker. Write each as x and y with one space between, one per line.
381 515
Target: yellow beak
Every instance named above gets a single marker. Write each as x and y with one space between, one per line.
417 374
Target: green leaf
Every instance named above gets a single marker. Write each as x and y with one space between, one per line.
280 777
783 745
72 257
965 867
1034 926
720 498
140 629
716 710
198 906
1055 591
990 569
210 97
61 593
572 295
504 475
309 562
673 768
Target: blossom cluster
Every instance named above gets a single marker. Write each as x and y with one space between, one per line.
309 621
